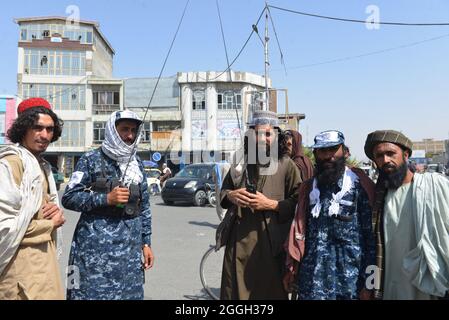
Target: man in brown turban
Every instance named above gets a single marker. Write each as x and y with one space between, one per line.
410 216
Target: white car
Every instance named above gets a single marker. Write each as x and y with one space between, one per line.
154 184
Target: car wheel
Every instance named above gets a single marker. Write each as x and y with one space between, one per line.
200 198
168 203
213 199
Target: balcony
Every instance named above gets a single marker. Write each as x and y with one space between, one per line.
165 140
104 109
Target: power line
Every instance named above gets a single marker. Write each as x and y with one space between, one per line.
155 87
229 68
277 40
369 53
360 21
240 51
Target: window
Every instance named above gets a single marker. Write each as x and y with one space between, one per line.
106 102
61 97
199 100
89 37
257 101
24 34
146 132
99 132
229 100
73 135
166 126
46 33
54 62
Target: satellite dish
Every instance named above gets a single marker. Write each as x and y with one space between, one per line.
157 156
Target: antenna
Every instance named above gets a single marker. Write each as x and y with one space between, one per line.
267 62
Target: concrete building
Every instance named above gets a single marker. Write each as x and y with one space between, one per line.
195 112
437 151
191 112
7 115
291 121
71 66
431 146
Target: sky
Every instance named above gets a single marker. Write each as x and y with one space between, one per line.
403 88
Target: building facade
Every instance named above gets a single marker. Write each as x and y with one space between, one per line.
195 112
7 115
70 66
191 112
437 151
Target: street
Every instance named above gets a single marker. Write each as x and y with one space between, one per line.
181 236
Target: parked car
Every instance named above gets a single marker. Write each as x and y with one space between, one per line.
59 177
190 185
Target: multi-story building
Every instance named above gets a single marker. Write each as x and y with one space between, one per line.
437 151
192 112
70 66
7 115
195 112
431 146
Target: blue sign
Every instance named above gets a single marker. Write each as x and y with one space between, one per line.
157 156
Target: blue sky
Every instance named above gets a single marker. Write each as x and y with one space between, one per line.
404 89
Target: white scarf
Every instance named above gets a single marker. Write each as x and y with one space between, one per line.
116 149
349 179
18 205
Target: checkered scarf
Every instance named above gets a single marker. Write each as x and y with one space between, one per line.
114 147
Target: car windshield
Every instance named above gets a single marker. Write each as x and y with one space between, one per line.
153 174
195 172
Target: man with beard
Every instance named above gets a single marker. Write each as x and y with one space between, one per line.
411 216
30 214
113 234
260 193
331 236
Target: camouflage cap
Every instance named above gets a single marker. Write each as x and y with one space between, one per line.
390 136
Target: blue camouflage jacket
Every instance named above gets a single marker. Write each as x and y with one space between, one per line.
78 195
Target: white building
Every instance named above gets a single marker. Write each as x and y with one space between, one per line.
70 66
195 111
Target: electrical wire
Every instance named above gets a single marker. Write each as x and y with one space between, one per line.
369 53
155 88
229 68
360 21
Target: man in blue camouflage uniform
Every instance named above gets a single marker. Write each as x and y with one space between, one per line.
339 242
109 242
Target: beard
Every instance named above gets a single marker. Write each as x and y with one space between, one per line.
329 172
394 179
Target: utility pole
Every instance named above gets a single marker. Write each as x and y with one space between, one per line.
267 62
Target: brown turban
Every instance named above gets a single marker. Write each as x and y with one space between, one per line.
382 136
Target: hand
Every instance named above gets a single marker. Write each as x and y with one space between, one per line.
148 258
118 196
261 203
366 295
58 220
239 197
288 280
50 210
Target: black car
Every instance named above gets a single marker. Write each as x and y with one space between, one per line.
190 185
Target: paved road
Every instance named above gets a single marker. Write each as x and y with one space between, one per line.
181 235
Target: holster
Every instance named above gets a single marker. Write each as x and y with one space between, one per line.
106 185
130 210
